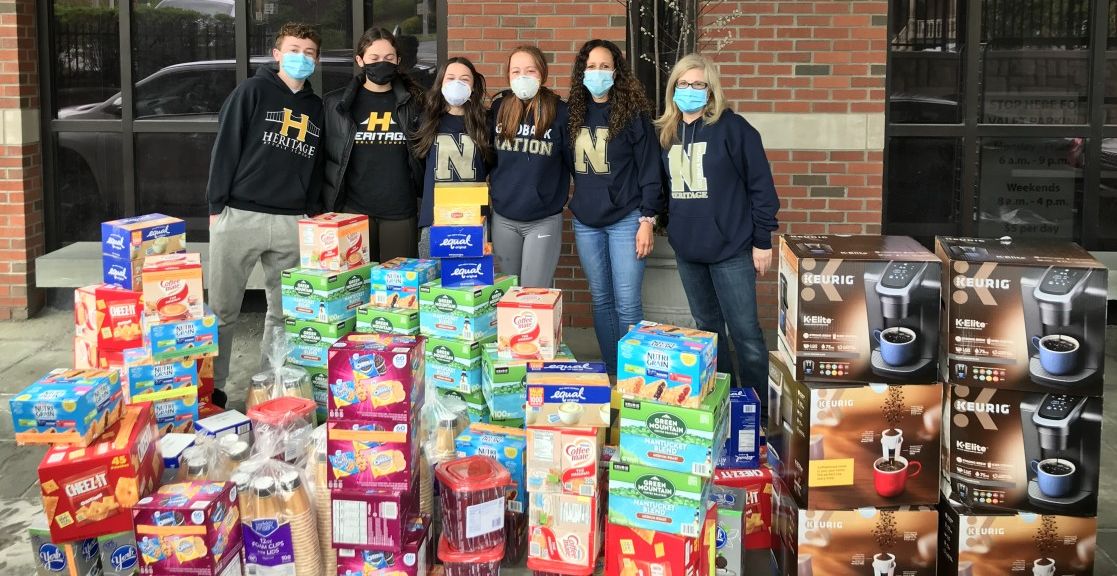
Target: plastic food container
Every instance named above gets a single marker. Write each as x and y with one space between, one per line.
279 411
473 501
485 562
548 568
515 537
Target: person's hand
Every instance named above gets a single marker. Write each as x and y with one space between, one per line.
761 260
212 219
645 240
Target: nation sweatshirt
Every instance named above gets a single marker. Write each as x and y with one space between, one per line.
531 178
453 157
267 155
612 178
720 196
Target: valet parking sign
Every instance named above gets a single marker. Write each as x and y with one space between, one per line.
1028 187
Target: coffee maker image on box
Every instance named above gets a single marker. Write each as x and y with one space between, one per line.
1062 444
902 301
1064 313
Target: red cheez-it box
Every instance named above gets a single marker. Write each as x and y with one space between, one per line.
108 317
756 487
639 552
88 492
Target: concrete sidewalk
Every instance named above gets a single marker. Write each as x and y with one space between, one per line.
31 348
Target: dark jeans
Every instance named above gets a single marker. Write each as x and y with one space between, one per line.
724 294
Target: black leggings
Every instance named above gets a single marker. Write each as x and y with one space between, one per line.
390 239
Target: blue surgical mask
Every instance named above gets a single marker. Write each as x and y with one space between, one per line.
297 66
598 82
690 100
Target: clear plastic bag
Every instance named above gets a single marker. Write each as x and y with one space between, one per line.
213 459
285 436
279 519
280 379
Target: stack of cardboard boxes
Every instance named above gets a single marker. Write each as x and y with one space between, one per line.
855 407
322 295
1023 355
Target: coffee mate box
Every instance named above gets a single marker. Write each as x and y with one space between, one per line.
563 532
87 492
142 375
381 320
108 316
77 558
67 407
507 446
454 365
189 339
459 241
395 283
529 323
334 241
459 272
562 460
309 342
467 313
323 295
174 289
458 215
673 437
191 528
504 381
988 544
119 555
666 363
568 394
371 456
376 377
176 410
141 237
1024 315
652 499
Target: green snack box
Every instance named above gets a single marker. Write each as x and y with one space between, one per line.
320 385
464 313
676 438
377 320
454 365
503 381
659 500
309 342
323 295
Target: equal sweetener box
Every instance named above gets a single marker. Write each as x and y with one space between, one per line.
136 238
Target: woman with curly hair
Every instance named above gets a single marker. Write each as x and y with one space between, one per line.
617 187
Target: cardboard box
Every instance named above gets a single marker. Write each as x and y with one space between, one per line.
176 410
189 528
462 272
412 559
459 241
666 363
182 340
1022 451
334 241
67 407
859 308
568 394
633 551
395 283
504 381
228 422
119 555
454 365
851 446
174 290
376 377
529 323
676 438
975 544
78 558
562 460
476 409
140 237
88 354
744 499
660 500
172 446
108 316
123 274
371 456
564 529
87 492
371 519
309 342
461 194
458 215
461 313
142 375
743 447
1024 315
507 446
377 320
324 296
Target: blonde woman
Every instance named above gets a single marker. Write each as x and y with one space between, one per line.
721 205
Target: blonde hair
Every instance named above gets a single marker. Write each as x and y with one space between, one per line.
668 123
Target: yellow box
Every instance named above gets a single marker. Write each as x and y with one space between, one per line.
461 193
458 215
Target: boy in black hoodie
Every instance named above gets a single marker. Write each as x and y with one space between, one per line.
265 175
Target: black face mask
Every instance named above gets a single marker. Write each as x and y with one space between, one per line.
380 72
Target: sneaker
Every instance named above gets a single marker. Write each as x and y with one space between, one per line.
219 398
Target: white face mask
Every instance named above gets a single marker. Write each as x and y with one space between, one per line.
456 92
525 87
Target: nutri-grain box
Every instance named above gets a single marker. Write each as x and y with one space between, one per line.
395 283
67 407
666 363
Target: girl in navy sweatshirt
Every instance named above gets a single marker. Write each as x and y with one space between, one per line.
721 205
617 187
453 136
531 179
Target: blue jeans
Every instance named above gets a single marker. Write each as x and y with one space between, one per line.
615 277
725 294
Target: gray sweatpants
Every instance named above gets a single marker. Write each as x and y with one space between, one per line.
528 249
237 240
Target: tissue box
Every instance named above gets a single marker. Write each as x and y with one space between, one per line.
207 540
459 272
461 313
67 407
176 410
376 377
182 340
529 323
395 283
309 342
334 241
108 316
666 363
324 296
458 241
139 237
141 375
504 381
568 394
378 320
653 499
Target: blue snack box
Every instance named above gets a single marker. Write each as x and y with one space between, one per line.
67 407
124 274
505 445
457 241
395 283
142 375
666 363
468 271
182 340
742 448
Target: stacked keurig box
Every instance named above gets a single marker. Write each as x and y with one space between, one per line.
855 407
1023 357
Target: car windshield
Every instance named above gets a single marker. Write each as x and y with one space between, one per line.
207 7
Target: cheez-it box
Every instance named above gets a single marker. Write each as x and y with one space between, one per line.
108 316
88 491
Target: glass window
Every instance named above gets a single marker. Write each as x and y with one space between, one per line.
1107 195
924 179
1030 187
1035 61
87 184
926 75
85 59
416 28
171 174
332 18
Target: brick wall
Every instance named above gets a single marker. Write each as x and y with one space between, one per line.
22 234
